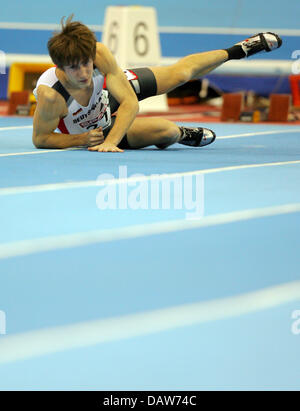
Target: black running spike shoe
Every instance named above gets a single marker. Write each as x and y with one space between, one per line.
260 42
196 136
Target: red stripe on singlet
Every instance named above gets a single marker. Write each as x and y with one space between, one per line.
135 77
62 127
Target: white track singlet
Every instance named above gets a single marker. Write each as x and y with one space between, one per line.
80 118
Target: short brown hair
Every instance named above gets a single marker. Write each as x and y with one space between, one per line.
74 44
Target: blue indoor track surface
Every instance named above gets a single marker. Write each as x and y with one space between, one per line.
191 282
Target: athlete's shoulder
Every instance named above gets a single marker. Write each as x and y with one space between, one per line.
45 83
104 60
101 48
47 94
49 77
50 104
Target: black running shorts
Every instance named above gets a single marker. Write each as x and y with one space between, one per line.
143 82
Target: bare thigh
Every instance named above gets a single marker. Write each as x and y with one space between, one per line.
188 68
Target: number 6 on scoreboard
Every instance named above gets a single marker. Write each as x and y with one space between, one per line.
141 42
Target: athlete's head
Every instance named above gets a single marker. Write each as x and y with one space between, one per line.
73 48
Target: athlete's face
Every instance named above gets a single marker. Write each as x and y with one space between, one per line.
80 75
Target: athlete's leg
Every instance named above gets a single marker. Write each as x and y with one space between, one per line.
152 131
196 65
187 68
162 133
160 80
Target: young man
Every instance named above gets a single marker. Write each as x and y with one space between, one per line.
73 98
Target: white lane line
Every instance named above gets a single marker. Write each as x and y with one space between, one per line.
30 152
280 131
24 153
41 151
61 338
129 180
13 128
45 244
258 133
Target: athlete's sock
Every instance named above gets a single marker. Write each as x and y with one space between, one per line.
235 52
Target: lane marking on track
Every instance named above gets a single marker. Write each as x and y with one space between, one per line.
271 132
58 242
47 341
130 180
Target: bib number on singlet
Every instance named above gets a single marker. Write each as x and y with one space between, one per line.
96 125
100 116
92 127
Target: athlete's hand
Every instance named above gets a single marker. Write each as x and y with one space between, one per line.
94 137
106 147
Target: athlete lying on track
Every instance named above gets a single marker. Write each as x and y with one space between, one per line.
94 103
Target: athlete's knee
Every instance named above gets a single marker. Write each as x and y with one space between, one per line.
171 130
169 135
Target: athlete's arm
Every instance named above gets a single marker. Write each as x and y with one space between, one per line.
49 110
121 90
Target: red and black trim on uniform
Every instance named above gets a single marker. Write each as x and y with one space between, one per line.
68 98
143 83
